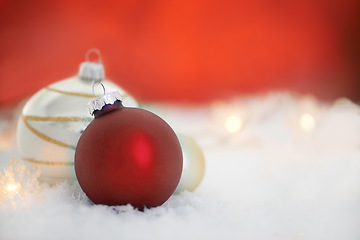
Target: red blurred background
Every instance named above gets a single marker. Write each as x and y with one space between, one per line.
184 50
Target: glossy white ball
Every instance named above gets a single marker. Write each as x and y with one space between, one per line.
51 124
193 164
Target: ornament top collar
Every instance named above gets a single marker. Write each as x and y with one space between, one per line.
107 99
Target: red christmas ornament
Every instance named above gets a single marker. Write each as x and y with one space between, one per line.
127 155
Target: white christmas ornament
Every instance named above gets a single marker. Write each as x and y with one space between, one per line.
193 164
53 119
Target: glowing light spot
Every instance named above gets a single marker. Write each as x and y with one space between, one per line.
10 187
233 124
307 122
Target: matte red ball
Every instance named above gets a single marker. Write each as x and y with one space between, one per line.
128 155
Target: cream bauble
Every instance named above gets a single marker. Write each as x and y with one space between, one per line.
193 164
53 119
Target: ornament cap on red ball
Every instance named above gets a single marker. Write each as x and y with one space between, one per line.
105 103
127 156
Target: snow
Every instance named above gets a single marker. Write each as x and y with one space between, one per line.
272 179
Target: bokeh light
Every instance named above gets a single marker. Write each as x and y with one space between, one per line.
307 122
233 124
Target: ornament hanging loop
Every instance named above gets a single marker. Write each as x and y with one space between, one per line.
102 85
92 71
93 51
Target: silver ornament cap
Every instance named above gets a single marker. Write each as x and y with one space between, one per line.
91 71
100 102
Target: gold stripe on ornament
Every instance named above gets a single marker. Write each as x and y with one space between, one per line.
124 95
56 119
70 93
48 162
45 137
